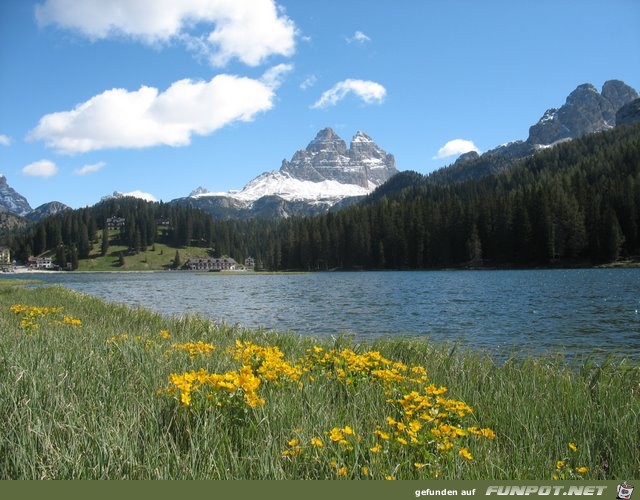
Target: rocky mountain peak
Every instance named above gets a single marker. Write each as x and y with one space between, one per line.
618 93
327 141
327 158
585 111
11 200
199 190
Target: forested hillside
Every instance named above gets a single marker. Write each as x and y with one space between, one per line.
576 203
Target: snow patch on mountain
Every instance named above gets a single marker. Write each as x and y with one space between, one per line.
285 186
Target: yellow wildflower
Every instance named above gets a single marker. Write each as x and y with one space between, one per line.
560 464
581 470
465 453
573 447
342 471
317 442
376 449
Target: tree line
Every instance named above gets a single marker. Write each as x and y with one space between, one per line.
575 203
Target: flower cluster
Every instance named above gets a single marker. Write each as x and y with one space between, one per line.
267 362
421 427
194 349
564 470
31 317
214 388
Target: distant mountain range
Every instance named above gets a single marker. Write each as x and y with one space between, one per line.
585 111
327 174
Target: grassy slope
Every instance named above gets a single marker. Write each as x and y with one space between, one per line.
157 257
73 405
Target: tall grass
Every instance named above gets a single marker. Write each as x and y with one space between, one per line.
89 400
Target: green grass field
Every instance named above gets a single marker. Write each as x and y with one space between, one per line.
90 390
157 257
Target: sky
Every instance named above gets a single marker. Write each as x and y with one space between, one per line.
163 96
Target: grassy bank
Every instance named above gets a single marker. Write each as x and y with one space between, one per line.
101 391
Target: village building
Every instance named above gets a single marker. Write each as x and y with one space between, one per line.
115 222
250 263
41 262
211 264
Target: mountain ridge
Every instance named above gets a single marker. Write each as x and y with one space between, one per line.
324 174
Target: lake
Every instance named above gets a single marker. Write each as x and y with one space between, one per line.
578 311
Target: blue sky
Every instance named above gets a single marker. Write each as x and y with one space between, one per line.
162 96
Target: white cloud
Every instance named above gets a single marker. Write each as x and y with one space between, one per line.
309 82
370 92
146 117
90 168
5 140
358 37
455 147
41 168
249 30
274 77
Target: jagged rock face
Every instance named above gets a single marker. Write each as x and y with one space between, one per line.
585 111
11 200
618 93
629 113
327 158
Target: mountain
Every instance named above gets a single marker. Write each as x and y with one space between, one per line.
46 210
629 113
585 111
11 200
324 174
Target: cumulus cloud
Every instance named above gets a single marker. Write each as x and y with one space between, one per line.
370 92
247 30
455 147
5 140
358 37
41 168
147 117
90 168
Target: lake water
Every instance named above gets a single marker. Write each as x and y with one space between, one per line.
582 311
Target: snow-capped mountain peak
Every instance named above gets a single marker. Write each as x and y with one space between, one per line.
321 175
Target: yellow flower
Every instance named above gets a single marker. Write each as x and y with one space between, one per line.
335 434
402 441
382 434
70 320
164 334
581 470
364 470
389 478
419 466
342 471
465 453
560 464
573 447
347 430
317 442
376 449
294 442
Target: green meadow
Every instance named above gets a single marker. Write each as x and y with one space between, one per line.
90 390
